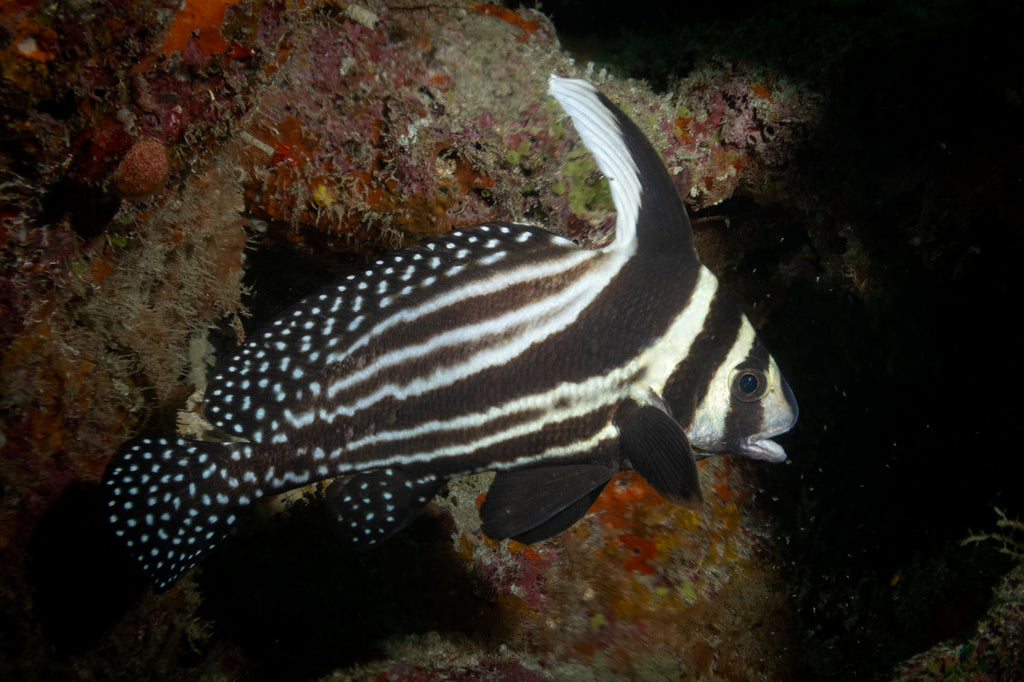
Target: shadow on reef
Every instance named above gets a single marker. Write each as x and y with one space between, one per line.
882 488
81 578
300 604
87 212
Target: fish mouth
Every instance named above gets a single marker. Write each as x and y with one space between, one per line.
756 447
762 448
760 445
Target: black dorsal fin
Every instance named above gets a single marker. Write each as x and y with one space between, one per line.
650 213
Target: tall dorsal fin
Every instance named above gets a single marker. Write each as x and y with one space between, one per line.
650 212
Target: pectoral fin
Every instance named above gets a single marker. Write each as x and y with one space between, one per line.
532 504
656 446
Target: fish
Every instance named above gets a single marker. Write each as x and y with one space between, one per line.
500 347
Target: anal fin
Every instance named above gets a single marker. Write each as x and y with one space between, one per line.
371 506
532 504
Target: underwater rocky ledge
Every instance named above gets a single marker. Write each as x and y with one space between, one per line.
173 173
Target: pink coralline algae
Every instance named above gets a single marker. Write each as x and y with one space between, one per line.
143 170
734 126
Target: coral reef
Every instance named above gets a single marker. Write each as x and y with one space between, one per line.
172 172
991 652
639 588
318 129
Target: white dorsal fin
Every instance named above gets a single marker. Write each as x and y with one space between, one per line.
600 132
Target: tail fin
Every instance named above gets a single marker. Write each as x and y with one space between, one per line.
171 500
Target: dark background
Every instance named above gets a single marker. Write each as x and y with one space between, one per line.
909 383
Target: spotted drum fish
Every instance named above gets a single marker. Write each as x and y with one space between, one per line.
500 347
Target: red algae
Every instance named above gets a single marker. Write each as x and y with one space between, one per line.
199 20
643 550
507 15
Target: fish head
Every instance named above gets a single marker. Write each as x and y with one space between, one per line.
748 403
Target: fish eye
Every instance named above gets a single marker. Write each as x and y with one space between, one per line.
749 384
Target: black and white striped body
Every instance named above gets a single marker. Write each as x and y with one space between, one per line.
499 347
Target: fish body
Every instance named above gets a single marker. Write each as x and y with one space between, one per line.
499 347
